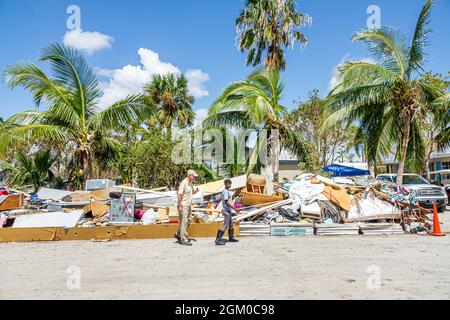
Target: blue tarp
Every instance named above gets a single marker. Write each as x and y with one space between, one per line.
343 171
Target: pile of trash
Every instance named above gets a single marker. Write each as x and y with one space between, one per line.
307 205
318 205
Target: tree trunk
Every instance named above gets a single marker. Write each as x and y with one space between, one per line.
170 130
85 165
404 148
430 147
275 154
427 164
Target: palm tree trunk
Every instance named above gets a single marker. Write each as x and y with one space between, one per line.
429 151
427 164
404 149
169 130
85 165
275 154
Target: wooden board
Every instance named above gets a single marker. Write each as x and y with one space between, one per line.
12 202
374 218
253 199
108 233
99 209
260 211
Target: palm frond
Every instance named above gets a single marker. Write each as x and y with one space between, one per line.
34 132
6 166
356 74
72 71
293 142
350 104
388 45
229 119
443 101
416 57
258 96
121 113
33 79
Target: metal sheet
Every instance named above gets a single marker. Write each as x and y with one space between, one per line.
48 220
52 194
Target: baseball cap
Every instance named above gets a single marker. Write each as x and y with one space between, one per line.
192 173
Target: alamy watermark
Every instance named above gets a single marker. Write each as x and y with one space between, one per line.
374 279
74 279
247 147
374 19
74 20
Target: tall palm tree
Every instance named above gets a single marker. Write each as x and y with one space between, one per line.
254 103
388 100
170 94
436 125
73 117
270 26
442 105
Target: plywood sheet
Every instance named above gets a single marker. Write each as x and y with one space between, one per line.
12 202
108 233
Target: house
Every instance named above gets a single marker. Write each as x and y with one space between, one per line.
289 166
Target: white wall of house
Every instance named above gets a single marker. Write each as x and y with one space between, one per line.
442 163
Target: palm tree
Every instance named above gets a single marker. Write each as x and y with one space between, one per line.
73 117
254 103
36 170
387 100
270 26
435 126
442 116
171 96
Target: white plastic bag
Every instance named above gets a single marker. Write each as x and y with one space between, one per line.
150 217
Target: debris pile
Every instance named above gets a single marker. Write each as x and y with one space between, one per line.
308 205
321 206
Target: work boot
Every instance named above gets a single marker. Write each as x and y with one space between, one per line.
231 234
219 241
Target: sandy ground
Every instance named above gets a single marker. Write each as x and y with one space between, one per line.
345 267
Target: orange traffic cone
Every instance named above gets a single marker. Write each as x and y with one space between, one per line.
436 225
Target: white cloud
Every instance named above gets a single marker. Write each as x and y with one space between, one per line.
87 41
104 72
200 115
152 64
196 79
131 79
346 58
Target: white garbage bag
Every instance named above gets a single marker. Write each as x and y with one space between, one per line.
150 217
304 192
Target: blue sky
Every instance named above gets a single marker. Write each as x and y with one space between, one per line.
197 37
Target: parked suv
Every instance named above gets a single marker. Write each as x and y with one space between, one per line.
425 193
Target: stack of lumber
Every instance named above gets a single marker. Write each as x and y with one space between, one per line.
381 229
337 229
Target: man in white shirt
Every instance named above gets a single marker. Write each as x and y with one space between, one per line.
185 195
